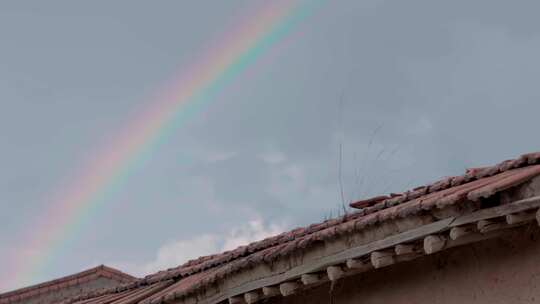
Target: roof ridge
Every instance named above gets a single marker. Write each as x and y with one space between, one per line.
100 270
470 175
104 269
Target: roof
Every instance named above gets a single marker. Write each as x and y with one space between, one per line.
64 282
475 187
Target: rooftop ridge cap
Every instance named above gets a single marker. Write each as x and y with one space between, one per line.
470 174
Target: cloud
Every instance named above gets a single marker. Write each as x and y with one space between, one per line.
177 252
287 181
217 157
273 158
422 126
254 230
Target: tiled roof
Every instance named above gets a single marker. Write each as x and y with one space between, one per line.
475 185
384 201
64 282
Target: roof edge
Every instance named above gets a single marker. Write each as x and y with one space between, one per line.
407 245
470 174
70 280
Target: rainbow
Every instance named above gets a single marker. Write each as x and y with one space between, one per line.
185 96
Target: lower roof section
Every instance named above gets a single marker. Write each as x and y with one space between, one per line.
62 283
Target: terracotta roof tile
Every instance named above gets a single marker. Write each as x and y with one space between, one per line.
64 282
473 185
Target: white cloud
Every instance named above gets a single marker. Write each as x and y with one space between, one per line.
273 158
202 190
296 174
177 252
219 157
421 127
254 230
287 182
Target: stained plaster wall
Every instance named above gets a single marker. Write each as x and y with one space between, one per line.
505 270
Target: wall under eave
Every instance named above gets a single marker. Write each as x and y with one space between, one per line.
505 270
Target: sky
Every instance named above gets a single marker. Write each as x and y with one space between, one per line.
363 97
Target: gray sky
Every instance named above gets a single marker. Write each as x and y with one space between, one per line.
411 90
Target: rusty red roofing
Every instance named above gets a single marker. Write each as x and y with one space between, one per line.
474 185
64 282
